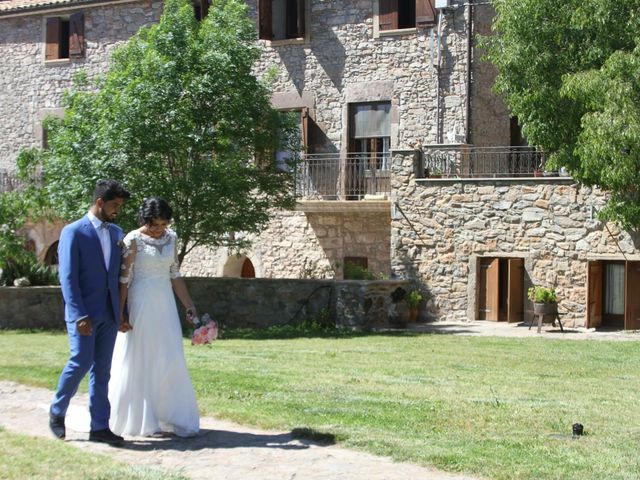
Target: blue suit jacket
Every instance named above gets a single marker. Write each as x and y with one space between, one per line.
87 285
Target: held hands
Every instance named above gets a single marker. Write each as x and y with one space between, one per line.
124 326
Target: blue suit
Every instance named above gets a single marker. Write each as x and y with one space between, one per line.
90 289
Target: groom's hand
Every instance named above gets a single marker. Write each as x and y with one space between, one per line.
124 326
84 327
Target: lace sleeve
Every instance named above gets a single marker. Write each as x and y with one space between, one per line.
128 259
174 270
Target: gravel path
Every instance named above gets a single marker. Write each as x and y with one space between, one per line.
222 450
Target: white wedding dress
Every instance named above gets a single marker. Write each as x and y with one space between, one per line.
150 390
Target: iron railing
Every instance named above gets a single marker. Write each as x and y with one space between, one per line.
486 162
9 181
335 176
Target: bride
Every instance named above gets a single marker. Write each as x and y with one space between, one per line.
150 390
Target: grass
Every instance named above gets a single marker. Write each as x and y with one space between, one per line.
24 457
501 408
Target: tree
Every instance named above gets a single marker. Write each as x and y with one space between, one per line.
178 115
569 72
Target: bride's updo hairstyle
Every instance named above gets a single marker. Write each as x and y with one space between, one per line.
152 209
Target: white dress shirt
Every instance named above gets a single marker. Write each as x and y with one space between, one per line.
104 236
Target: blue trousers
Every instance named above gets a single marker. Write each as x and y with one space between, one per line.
91 353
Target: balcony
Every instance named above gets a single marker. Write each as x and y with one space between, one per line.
9 181
351 176
464 161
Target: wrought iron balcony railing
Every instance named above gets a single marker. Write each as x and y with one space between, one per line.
461 161
338 176
9 181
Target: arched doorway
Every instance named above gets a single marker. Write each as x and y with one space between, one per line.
51 257
247 269
239 266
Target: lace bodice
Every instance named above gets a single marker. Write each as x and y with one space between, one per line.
147 257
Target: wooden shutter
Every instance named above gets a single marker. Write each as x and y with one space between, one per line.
425 13
301 25
515 289
52 51
632 296
304 120
594 294
489 302
76 35
388 14
265 19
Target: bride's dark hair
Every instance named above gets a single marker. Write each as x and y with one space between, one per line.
152 209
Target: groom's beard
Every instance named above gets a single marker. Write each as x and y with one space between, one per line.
106 217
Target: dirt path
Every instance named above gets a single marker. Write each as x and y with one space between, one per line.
222 450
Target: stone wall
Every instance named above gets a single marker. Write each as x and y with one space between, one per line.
345 59
309 245
246 303
31 307
549 222
30 88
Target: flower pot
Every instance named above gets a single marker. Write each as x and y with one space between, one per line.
413 314
545 308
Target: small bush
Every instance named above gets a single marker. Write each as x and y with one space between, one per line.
539 294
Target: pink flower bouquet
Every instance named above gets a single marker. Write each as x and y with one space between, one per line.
206 330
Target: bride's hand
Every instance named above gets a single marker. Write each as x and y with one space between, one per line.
192 314
124 326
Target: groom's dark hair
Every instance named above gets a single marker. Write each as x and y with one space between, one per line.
108 190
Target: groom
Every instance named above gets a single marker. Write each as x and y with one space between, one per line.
89 264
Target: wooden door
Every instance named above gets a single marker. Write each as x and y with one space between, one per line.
515 289
594 294
488 281
247 269
632 296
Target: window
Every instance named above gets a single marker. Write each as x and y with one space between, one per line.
290 152
369 149
200 8
65 37
281 19
45 138
401 14
612 299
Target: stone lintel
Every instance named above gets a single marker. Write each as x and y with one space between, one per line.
343 206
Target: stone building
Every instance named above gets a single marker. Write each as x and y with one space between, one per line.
390 94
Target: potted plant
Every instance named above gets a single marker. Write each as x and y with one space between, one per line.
545 300
413 299
434 172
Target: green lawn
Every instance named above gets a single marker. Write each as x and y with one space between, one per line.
23 457
501 408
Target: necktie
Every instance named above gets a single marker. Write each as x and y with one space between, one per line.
104 225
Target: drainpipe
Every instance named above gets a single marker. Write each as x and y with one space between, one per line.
467 136
439 121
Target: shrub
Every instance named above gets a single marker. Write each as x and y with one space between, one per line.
538 294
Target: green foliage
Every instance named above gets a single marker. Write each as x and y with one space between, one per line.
353 271
179 115
15 260
413 298
568 70
539 294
